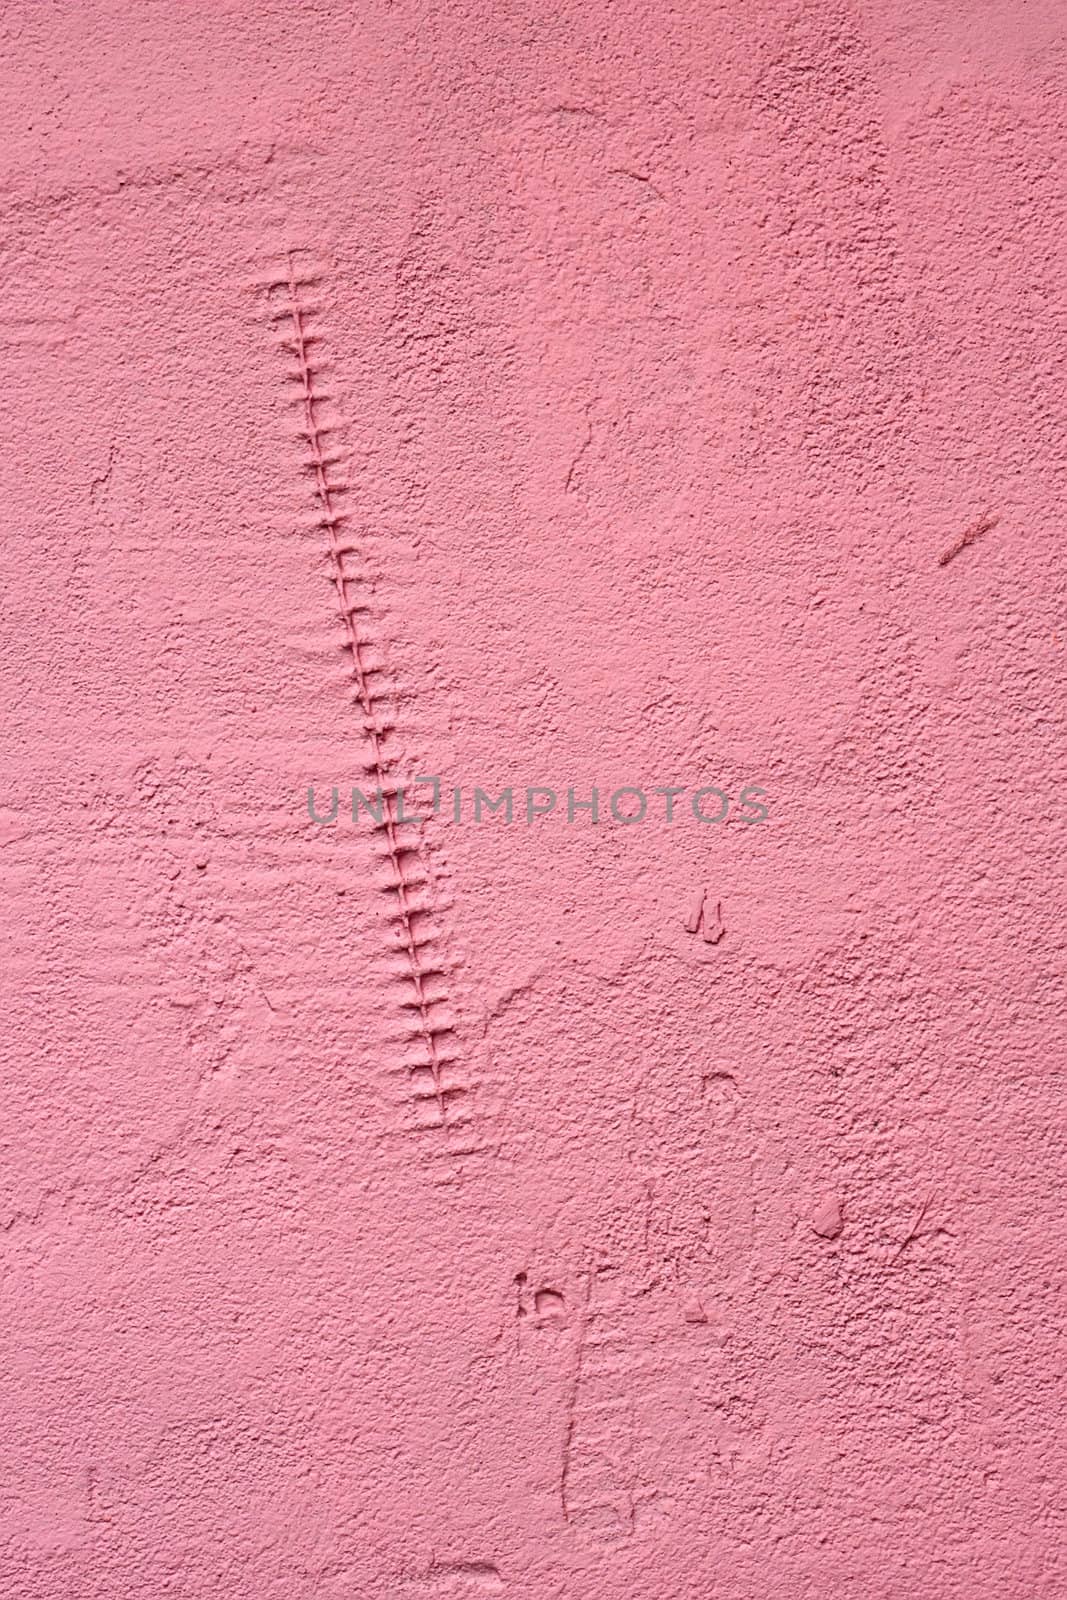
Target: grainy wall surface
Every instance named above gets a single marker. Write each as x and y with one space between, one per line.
554 396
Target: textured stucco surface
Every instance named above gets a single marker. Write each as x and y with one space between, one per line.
630 371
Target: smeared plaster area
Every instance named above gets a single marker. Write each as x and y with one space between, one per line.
589 398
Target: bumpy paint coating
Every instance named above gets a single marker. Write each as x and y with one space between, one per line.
532 397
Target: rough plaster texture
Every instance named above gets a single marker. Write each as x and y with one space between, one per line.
534 395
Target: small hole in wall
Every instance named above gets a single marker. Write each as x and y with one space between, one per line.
550 1307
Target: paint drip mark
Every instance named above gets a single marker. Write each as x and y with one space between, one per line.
977 530
436 1095
596 1478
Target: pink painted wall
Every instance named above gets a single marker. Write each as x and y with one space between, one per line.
559 395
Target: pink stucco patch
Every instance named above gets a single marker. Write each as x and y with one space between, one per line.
574 1208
